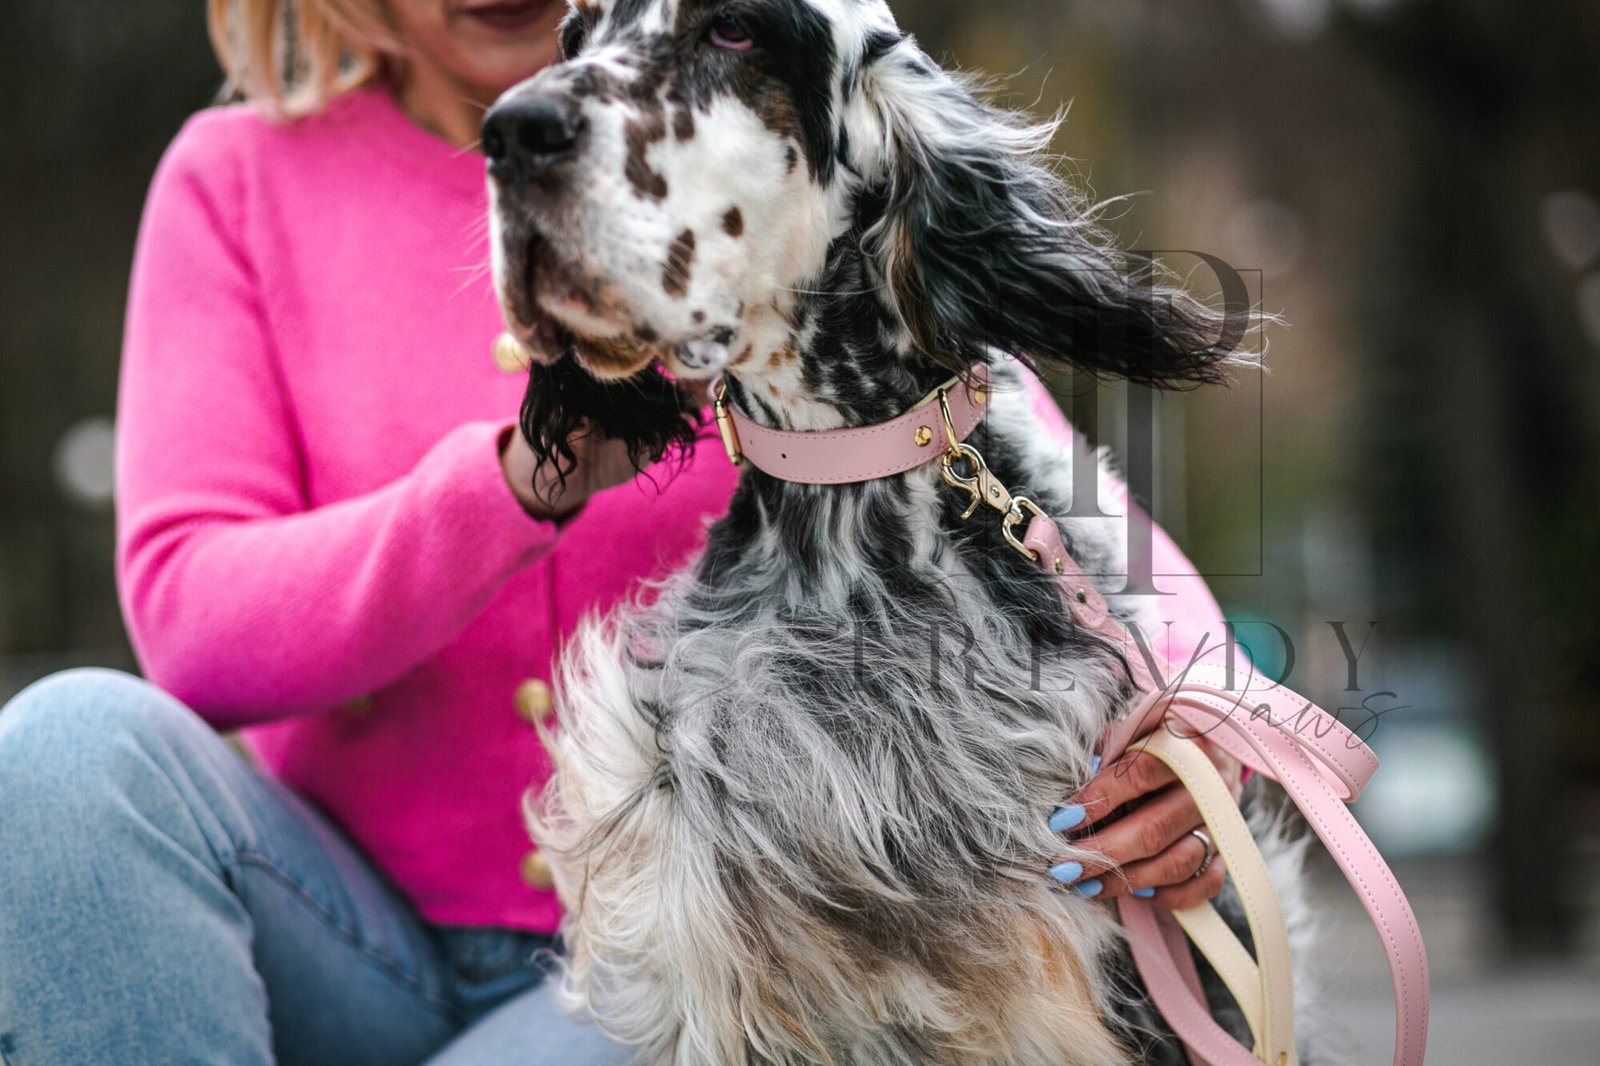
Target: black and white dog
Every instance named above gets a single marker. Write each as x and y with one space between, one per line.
781 837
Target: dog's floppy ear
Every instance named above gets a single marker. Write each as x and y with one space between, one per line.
650 412
981 245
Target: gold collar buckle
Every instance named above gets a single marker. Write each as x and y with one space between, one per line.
725 428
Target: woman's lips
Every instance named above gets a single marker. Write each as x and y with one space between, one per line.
507 16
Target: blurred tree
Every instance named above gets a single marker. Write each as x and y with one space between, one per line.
1463 325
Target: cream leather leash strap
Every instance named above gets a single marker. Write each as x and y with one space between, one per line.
1264 989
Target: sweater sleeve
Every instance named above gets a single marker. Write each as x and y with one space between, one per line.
1189 614
239 598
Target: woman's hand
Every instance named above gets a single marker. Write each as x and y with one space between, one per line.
600 463
1152 845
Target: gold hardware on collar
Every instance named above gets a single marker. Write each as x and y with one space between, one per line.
730 436
1015 516
950 429
979 395
923 436
982 486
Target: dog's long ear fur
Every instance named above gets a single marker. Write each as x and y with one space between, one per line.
648 411
981 245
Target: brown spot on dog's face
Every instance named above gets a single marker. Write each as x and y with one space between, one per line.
638 136
682 123
675 271
791 158
591 83
733 222
698 317
646 334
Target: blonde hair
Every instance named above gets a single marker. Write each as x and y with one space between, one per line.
293 56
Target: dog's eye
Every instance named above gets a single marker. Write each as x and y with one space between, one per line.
726 32
573 31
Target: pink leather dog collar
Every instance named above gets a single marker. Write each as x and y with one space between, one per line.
859 453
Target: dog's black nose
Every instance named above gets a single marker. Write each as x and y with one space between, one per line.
528 133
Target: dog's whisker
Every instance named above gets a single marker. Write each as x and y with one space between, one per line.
474 274
828 292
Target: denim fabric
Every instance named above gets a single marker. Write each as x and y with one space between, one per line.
163 901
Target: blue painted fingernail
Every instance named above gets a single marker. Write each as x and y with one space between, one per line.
1144 893
1094 765
1088 889
1067 872
1064 818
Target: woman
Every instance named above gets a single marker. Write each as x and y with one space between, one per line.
332 540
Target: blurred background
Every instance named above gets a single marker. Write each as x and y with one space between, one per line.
1413 185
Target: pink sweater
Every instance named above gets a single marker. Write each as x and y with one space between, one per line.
316 544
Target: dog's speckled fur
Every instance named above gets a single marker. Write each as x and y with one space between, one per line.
799 809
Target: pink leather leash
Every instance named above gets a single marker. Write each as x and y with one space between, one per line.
1320 764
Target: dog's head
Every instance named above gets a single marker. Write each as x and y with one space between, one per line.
793 192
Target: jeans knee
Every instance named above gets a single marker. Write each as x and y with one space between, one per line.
79 730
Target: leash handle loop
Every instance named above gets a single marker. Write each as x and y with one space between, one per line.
1321 766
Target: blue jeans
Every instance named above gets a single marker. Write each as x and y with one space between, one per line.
163 901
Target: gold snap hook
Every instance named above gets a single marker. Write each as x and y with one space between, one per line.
970 484
1013 517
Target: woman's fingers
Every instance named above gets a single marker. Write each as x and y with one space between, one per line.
609 465
699 392
1192 891
1150 850
1133 775
599 462
1173 867
1161 821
